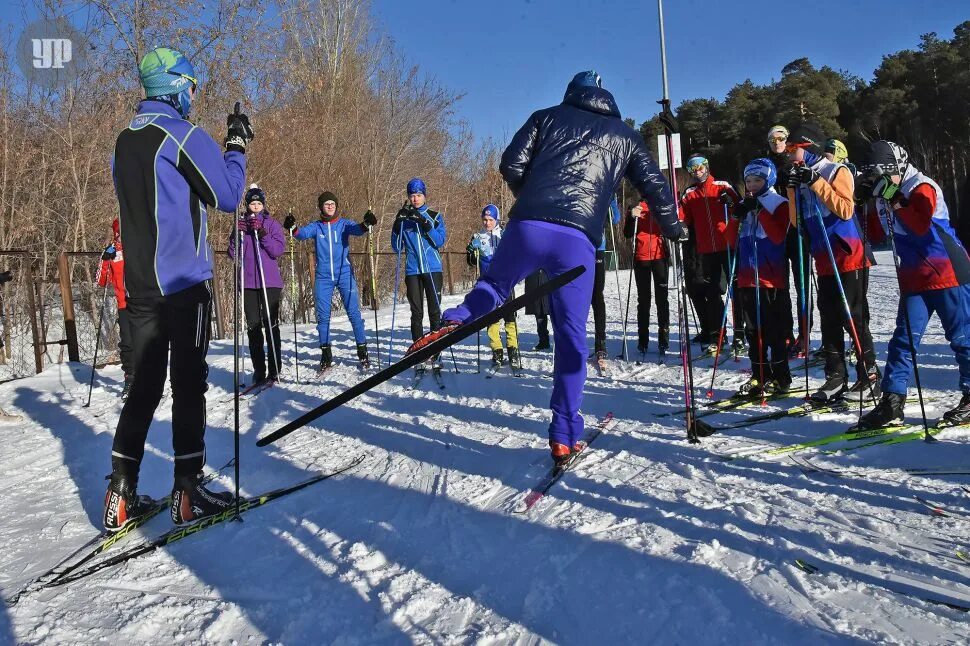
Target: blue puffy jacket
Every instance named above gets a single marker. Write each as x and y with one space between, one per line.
423 256
332 245
565 165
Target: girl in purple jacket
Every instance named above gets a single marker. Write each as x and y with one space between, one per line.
262 237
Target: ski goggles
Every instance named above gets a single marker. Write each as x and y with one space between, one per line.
694 164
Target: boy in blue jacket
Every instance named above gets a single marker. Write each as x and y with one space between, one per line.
481 250
420 232
332 235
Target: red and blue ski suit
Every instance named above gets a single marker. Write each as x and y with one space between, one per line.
934 276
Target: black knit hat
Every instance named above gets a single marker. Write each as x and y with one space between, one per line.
326 196
808 136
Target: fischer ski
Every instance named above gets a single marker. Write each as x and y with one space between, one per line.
424 353
731 403
556 472
893 582
179 533
828 439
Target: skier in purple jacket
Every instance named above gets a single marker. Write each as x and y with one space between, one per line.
262 236
564 166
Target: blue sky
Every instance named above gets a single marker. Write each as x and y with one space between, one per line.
511 57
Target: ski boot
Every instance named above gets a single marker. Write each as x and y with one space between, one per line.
498 358
326 358
959 415
751 389
867 389
836 382
781 377
515 359
363 357
560 453
259 377
543 344
446 328
888 411
122 504
600 361
192 501
129 380
738 347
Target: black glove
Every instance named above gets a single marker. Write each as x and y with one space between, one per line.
5 277
666 117
425 224
471 258
404 213
289 222
369 219
680 233
745 206
725 198
240 132
109 253
802 175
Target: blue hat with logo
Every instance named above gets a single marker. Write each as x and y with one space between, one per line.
491 211
416 185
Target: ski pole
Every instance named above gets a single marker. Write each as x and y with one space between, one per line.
236 354
397 285
890 218
757 317
803 310
838 281
478 334
721 332
97 342
269 316
373 291
619 295
294 292
629 284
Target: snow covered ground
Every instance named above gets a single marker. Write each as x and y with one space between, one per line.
649 540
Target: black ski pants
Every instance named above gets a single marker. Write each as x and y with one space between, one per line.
256 322
124 342
834 324
715 271
176 325
773 330
420 288
645 271
599 302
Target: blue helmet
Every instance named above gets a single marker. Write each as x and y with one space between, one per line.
416 185
765 169
167 74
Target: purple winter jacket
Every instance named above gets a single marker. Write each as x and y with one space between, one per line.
271 246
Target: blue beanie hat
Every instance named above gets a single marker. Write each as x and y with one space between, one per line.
416 185
491 211
166 72
765 169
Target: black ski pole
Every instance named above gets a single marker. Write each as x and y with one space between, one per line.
236 303
373 291
97 342
294 293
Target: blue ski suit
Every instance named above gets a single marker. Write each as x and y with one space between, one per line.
333 270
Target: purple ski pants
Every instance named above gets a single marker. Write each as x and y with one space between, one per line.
528 245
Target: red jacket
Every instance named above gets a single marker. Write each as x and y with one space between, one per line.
114 270
650 243
701 208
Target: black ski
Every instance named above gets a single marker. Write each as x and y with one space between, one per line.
419 356
178 533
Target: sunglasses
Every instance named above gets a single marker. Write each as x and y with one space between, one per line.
777 140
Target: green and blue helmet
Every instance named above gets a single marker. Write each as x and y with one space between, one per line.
168 75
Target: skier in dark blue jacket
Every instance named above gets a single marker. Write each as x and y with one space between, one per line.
420 232
166 171
564 166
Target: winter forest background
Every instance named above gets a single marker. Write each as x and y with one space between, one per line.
335 105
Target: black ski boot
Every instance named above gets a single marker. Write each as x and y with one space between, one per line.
362 356
515 359
543 344
498 358
888 411
751 389
738 347
192 501
959 415
129 380
781 376
868 388
326 358
122 504
836 382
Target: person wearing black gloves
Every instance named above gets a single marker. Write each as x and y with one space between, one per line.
420 232
334 271
166 172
